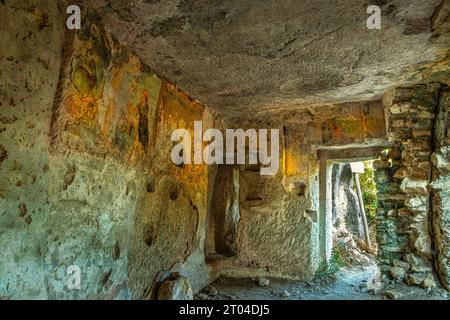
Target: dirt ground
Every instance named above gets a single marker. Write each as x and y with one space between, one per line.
355 283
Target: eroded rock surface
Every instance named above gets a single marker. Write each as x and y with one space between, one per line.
175 288
246 59
87 182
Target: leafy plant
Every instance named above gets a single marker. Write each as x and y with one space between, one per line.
337 261
369 190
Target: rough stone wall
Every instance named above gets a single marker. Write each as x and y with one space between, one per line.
83 157
353 124
275 232
271 230
108 100
29 67
279 228
406 224
169 230
440 187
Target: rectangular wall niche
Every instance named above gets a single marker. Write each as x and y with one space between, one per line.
224 217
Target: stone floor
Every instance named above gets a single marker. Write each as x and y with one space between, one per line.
353 283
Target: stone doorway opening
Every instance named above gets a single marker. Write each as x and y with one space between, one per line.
353 209
340 210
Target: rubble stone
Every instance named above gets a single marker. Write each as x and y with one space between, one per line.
177 288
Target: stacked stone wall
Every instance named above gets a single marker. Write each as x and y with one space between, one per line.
407 222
